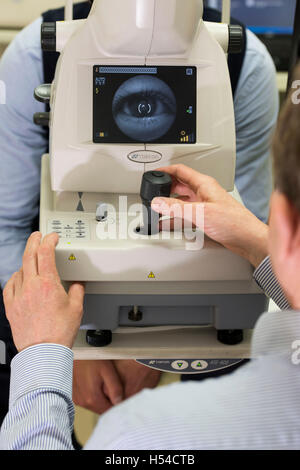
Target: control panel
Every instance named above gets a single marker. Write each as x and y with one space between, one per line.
189 366
78 229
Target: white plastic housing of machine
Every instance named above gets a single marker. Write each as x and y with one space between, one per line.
138 32
134 280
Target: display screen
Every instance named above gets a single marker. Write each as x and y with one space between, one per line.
144 104
262 16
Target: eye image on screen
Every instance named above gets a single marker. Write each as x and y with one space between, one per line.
144 108
144 104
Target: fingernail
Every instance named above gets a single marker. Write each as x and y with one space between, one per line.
157 201
117 400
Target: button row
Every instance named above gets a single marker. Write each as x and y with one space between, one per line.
196 365
76 229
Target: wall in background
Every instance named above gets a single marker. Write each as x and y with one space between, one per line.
16 14
19 13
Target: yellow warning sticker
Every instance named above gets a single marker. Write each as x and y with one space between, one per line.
151 275
72 257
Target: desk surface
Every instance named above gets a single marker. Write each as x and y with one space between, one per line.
187 343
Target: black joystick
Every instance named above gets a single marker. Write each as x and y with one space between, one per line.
154 184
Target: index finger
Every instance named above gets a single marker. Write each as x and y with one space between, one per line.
46 257
30 267
188 176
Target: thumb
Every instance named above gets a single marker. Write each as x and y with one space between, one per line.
168 206
76 292
191 212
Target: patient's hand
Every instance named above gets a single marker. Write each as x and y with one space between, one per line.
136 377
97 385
37 306
226 221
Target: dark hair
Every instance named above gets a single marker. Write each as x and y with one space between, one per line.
286 147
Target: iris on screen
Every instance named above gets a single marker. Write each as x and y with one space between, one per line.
144 108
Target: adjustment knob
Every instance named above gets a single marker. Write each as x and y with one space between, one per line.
48 37
236 41
101 212
43 93
41 119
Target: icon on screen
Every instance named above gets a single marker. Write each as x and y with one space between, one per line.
100 81
189 71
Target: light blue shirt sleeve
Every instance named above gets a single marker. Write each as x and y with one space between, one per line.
41 412
21 146
256 105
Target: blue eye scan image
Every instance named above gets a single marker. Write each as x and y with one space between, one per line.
144 108
133 104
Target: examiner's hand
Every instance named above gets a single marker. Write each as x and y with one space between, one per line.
37 307
97 385
226 221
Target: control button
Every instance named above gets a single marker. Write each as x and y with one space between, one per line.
70 229
158 174
101 211
199 364
180 365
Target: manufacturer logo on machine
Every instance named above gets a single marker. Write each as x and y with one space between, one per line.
145 156
72 257
151 275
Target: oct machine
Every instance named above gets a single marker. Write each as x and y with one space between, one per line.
141 85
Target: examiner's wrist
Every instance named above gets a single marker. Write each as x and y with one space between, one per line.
256 247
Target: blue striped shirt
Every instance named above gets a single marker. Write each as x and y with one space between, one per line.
256 407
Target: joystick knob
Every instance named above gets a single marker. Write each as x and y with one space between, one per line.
154 184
